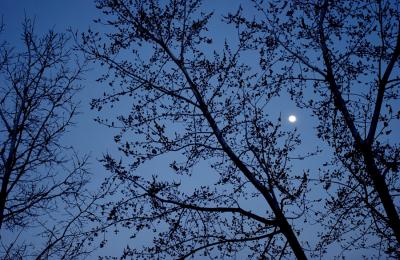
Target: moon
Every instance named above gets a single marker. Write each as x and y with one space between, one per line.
292 119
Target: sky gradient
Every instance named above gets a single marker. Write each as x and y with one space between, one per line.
88 137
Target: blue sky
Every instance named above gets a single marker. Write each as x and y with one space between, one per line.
87 136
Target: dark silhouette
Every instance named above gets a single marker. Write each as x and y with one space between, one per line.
43 183
208 107
341 61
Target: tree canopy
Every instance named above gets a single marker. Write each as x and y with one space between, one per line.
200 91
43 181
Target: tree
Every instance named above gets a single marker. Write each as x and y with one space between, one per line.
340 60
43 189
208 107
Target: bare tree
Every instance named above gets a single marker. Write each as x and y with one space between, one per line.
208 107
340 60
43 183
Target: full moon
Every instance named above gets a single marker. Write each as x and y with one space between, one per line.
292 119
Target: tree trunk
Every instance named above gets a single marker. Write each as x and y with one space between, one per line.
383 191
290 235
3 191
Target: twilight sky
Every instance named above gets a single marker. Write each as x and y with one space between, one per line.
88 137
78 15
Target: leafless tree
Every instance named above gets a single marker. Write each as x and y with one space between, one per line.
43 183
340 60
208 107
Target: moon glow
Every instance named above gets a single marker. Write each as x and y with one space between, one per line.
292 119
